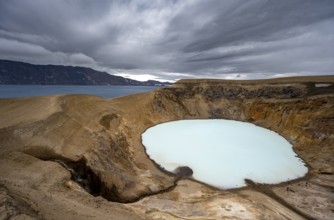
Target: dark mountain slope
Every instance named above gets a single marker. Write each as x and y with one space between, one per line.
12 72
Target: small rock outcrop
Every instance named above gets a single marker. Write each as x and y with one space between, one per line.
183 171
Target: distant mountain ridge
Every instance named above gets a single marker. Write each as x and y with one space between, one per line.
14 72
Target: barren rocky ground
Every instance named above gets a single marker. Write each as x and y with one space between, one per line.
81 157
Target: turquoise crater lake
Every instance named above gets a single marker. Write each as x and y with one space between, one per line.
223 153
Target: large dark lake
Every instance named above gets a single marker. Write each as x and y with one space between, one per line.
16 91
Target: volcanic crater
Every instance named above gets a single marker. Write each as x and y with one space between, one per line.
80 156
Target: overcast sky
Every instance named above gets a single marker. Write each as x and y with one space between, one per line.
173 39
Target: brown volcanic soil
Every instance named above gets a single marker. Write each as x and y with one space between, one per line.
81 157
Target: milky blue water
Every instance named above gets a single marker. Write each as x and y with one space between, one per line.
15 91
223 153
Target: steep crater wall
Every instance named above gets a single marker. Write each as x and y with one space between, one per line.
299 111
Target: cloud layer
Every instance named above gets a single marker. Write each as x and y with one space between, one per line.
172 39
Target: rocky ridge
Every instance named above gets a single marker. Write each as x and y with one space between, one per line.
83 154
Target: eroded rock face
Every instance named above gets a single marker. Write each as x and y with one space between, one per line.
103 139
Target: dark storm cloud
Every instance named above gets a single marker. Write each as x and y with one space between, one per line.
173 39
255 20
